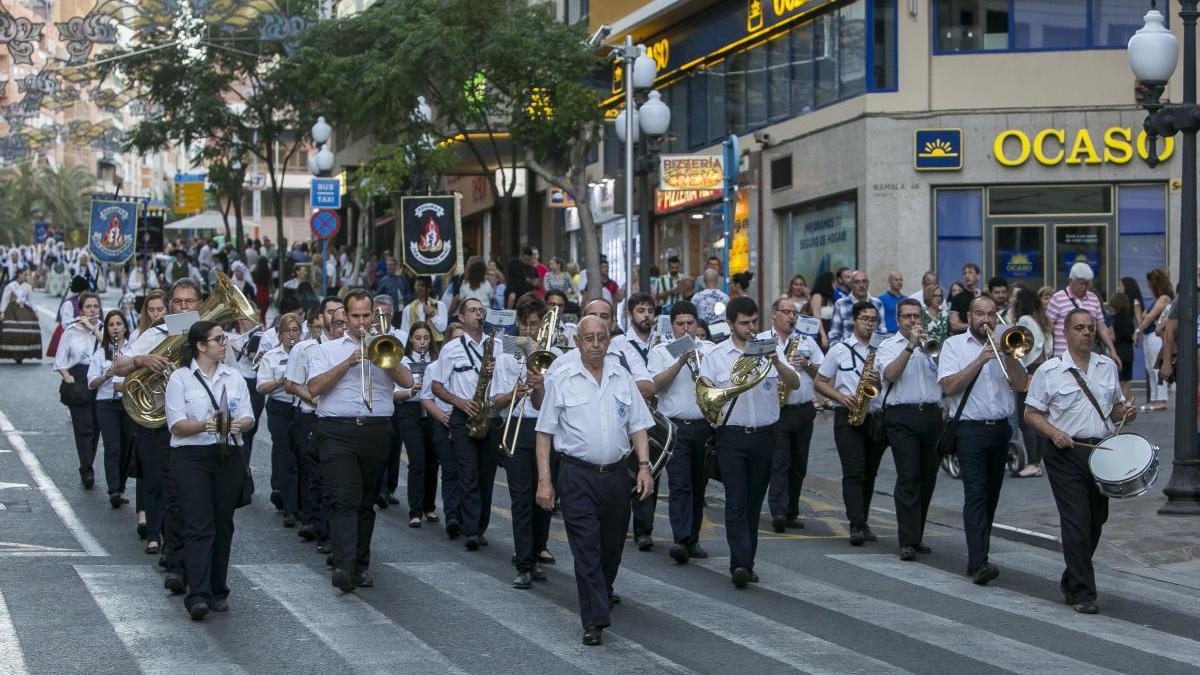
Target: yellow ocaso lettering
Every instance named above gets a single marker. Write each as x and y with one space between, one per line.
1118 145
1039 146
998 147
1143 147
1083 144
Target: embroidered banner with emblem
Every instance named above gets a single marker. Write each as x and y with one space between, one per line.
112 234
432 233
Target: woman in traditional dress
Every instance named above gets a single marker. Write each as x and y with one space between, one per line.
20 333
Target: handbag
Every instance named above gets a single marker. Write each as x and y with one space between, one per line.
948 442
77 392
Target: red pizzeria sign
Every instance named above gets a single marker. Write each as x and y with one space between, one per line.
674 200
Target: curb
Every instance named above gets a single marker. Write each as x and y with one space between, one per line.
831 489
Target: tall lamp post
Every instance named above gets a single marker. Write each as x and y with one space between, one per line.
653 120
319 165
639 73
1153 53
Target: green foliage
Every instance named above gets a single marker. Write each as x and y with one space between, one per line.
61 195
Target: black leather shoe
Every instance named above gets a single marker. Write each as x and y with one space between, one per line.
592 636
343 580
538 573
644 542
778 523
453 528
174 583
364 580
868 534
219 605
277 499
613 599
985 573
923 549
523 581
908 553
482 540
289 520
381 502
753 577
142 531
679 553
115 500
124 499
88 482
323 546
391 499
856 536
472 543
1086 607
546 558
741 577
198 611
794 523
694 551
306 533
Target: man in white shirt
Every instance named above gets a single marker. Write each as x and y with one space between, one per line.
637 345
913 423
675 382
794 431
427 309
593 413
745 435
859 451
384 302
983 432
1071 400
353 438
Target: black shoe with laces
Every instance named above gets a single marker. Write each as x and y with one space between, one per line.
364 580
868 534
985 573
679 553
198 611
174 583
592 636
741 577
779 524
644 542
523 581
538 573
1086 607
472 543
856 536
908 553
343 580
694 551
219 605
277 499
923 549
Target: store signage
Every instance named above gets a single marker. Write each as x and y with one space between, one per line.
1021 264
1052 147
674 200
739 250
690 172
937 149
557 198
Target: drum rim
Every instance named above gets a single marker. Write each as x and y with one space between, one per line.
1154 451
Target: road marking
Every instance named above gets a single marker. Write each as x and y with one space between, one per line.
53 495
7 486
12 659
1099 626
549 626
767 637
969 641
154 628
363 636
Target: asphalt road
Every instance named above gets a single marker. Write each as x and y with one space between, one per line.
77 594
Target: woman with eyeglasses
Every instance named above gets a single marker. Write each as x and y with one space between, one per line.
116 428
80 339
280 406
207 404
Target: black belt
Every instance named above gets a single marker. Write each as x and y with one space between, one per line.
748 430
683 423
915 406
357 421
796 406
986 423
602 468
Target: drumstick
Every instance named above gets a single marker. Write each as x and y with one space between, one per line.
1089 445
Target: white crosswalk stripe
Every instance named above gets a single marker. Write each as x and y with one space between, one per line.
153 627
1101 627
768 637
363 636
975 643
552 628
1177 599
12 659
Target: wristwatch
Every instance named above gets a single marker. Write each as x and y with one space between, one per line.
909 349
644 462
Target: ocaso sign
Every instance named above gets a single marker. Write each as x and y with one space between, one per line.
1052 147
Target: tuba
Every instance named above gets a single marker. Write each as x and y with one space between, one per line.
145 390
712 398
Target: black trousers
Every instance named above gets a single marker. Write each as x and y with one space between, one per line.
913 434
257 402
477 462
208 486
745 461
687 479
285 465
153 449
416 435
1036 445
982 453
314 502
1082 512
530 522
87 437
860 457
116 428
443 446
595 509
789 466
352 459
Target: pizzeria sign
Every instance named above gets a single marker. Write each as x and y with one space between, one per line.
690 172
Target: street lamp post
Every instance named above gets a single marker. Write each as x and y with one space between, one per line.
1153 53
653 120
320 164
639 73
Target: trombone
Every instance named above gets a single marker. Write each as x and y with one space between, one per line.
1016 342
378 346
539 360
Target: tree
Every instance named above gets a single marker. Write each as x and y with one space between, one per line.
62 196
66 195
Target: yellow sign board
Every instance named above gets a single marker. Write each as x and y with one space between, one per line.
1052 147
690 172
189 198
739 251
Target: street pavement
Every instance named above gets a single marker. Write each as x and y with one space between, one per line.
78 595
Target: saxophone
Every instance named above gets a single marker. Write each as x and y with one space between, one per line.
788 352
477 426
864 393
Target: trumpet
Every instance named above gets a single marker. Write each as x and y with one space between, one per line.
931 346
540 361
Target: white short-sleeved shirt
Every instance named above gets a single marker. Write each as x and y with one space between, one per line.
461 359
411 361
188 400
273 366
991 398
843 366
593 421
508 370
678 401
344 399
433 372
809 346
146 342
75 347
242 355
97 366
919 381
754 408
298 366
1054 391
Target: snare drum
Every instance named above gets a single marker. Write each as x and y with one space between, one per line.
1124 465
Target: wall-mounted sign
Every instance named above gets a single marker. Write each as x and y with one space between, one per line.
675 200
937 149
690 172
739 250
557 198
189 193
1052 147
1021 264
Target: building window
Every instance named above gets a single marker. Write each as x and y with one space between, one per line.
971 25
294 206
1141 231
1057 199
820 237
883 46
1115 21
959 218
1050 24
1034 25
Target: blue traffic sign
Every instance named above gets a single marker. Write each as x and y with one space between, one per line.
326 193
325 224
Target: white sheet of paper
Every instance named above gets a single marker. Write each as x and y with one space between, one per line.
178 324
681 345
760 347
501 317
810 326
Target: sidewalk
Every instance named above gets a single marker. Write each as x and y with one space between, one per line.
1135 537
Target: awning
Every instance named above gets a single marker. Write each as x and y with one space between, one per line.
209 220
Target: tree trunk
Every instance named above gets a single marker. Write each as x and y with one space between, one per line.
225 219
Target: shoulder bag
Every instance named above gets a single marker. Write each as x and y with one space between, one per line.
948 442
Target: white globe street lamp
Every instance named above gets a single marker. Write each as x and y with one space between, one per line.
321 131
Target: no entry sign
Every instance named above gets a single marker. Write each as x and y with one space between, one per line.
325 224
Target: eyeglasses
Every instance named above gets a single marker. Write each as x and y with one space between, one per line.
220 339
868 319
909 316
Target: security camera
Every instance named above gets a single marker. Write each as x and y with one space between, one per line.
599 36
762 138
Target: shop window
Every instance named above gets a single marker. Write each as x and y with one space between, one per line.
959 215
1141 230
825 57
820 237
852 47
697 114
1050 24
677 99
716 102
1050 200
756 86
1034 25
971 25
1018 254
1081 243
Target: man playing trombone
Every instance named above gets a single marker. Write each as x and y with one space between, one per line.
354 412
971 364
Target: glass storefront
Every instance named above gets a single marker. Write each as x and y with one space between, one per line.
820 237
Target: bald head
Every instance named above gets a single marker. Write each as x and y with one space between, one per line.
711 277
592 338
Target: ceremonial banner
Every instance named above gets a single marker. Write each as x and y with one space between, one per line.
432 233
112 234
